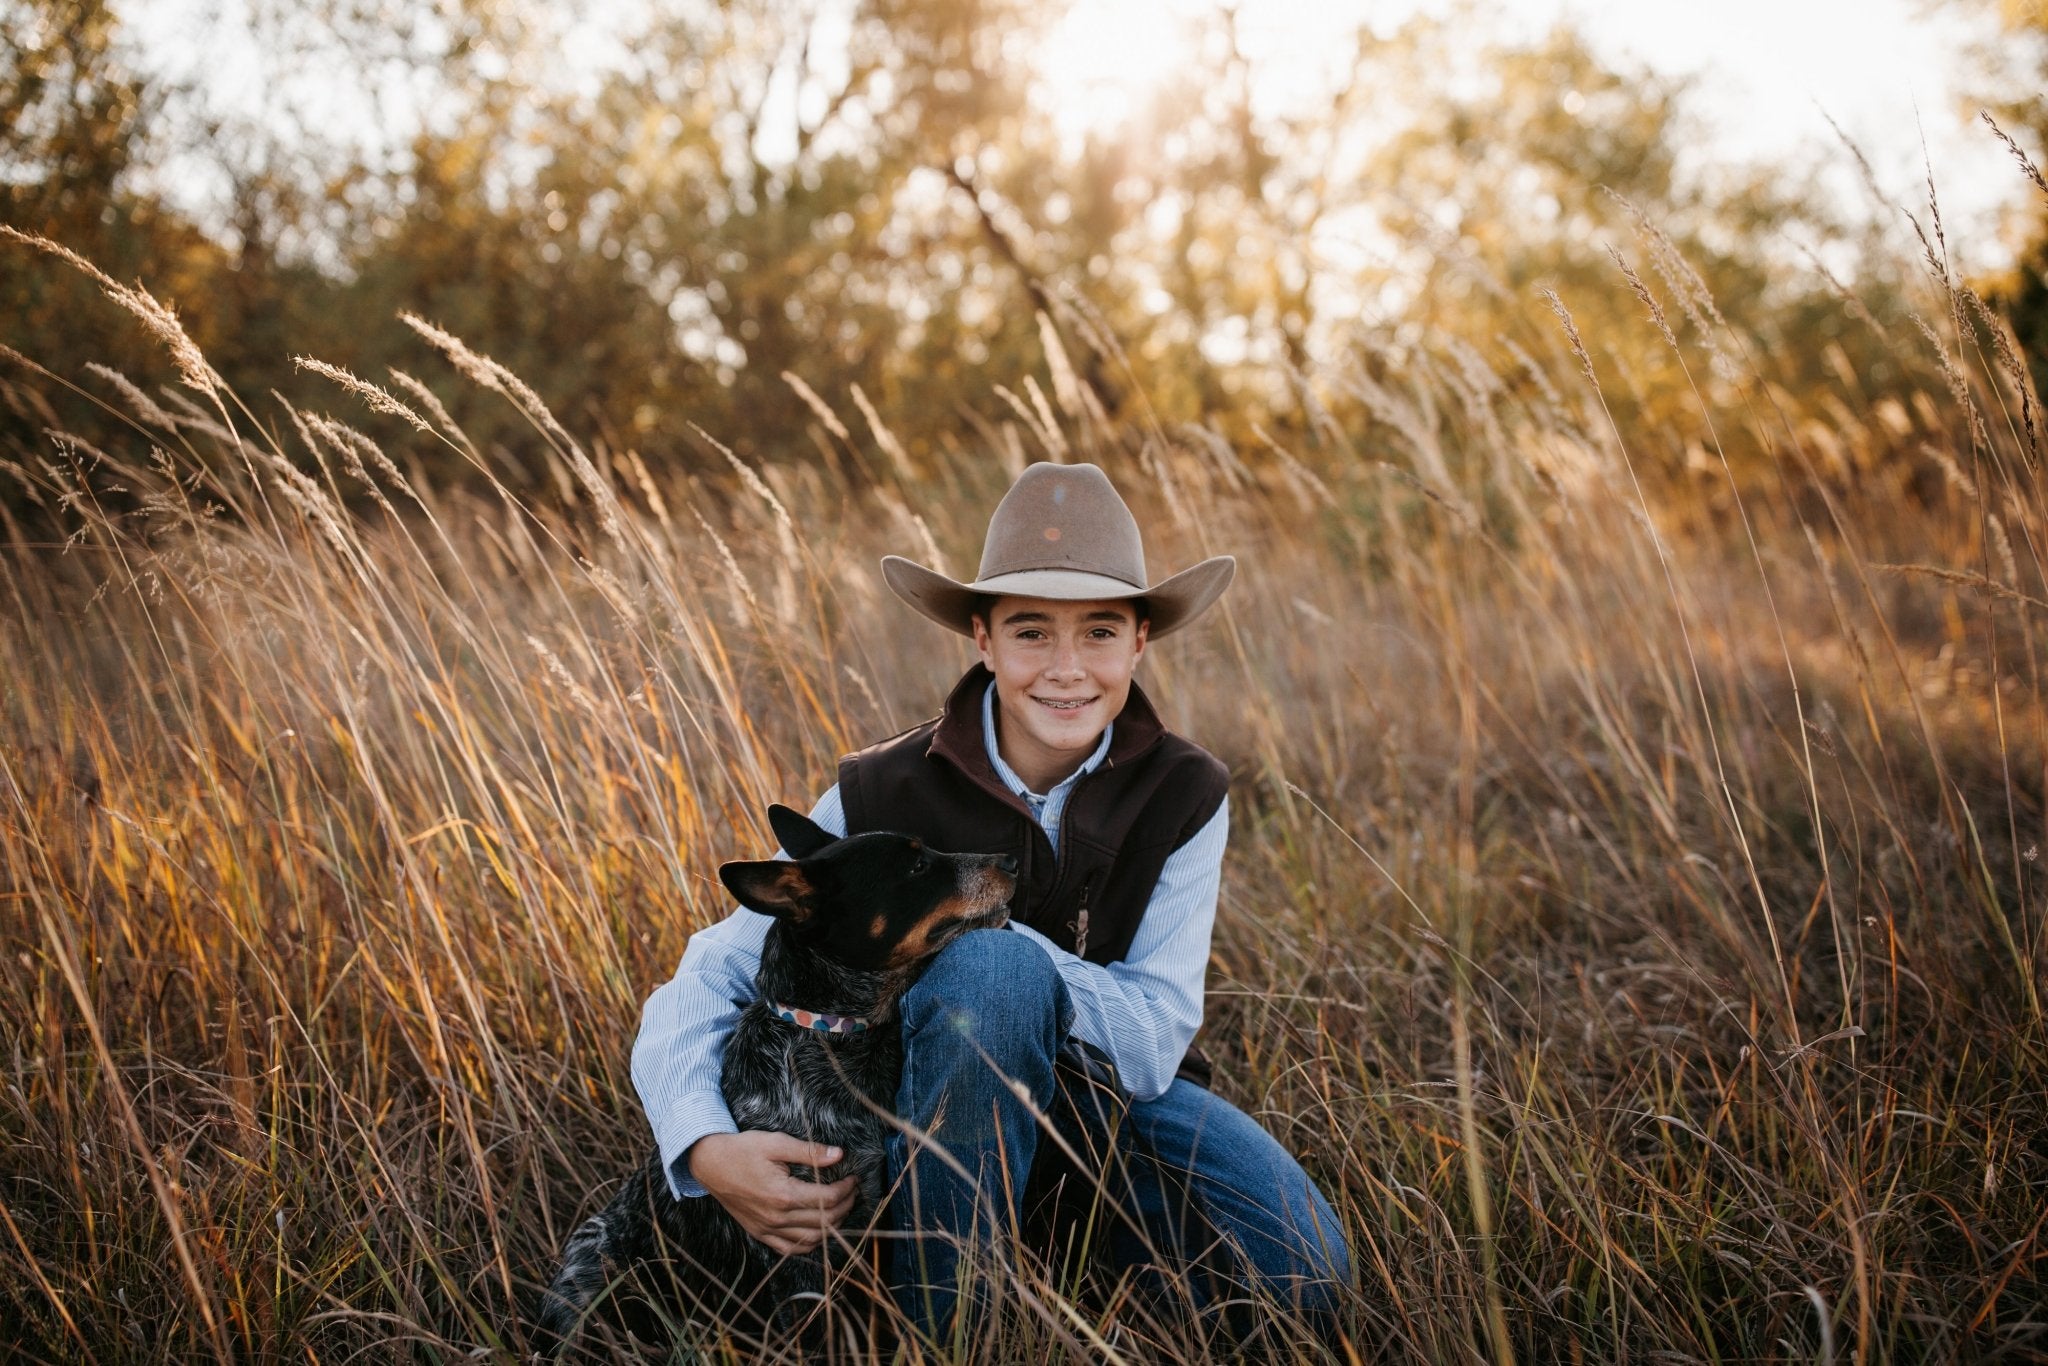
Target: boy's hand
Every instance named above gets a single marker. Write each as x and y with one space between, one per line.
748 1173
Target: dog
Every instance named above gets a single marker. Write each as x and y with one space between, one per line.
817 1054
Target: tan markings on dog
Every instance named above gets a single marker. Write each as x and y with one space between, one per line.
988 890
918 943
793 889
991 888
878 927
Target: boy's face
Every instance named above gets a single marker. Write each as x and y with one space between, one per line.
1063 672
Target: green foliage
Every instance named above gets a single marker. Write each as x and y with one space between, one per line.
74 113
730 192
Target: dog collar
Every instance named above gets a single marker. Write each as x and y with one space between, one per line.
824 1024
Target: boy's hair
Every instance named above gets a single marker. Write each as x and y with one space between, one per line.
985 603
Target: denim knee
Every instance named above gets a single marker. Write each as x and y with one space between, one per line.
990 981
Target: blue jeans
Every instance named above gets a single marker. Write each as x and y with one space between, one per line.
1193 1179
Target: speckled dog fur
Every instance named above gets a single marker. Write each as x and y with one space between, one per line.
855 921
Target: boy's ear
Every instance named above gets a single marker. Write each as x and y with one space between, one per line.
800 835
771 887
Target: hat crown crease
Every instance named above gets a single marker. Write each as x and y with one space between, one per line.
1064 518
1061 532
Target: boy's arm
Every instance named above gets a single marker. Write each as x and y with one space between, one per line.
1144 1010
684 1026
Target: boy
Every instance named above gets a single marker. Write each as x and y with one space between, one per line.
1048 751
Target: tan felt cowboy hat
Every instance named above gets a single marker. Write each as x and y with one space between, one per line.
1061 532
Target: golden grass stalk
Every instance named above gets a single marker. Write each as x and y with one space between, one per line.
1634 924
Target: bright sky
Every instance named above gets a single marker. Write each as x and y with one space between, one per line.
1886 70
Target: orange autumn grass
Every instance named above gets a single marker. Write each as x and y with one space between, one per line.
1633 914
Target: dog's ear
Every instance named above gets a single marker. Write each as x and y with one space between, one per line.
771 887
800 835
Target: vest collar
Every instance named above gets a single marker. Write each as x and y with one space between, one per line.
958 736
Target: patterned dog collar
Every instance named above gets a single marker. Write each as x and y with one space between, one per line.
824 1024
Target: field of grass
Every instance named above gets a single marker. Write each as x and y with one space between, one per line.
1633 914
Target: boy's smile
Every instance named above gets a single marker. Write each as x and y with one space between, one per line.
1063 672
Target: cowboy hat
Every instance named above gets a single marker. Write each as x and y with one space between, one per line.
1061 532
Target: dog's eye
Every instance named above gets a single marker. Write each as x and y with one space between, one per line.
919 866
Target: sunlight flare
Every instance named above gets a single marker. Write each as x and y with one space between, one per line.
1105 59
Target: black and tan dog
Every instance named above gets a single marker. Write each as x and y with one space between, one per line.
817 1055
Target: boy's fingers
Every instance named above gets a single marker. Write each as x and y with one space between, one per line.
812 1195
789 1148
828 1216
795 1238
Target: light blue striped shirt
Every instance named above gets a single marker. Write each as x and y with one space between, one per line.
1142 1011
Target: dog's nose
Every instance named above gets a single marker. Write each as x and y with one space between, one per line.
1007 864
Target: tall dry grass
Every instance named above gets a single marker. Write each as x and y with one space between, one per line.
1631 918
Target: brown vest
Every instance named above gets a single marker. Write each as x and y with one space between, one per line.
1150 795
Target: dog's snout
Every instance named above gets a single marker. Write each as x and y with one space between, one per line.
1007 865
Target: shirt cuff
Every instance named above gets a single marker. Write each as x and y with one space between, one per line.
691 1117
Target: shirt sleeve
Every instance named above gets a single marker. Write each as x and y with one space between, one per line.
680 1051
1144 1010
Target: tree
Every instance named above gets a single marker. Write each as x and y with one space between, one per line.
2020 63
75 115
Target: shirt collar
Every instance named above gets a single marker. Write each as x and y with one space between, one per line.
1008 774
955 733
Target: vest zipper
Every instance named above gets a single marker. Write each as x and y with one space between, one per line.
1079 924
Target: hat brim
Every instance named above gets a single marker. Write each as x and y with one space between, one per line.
1171 603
